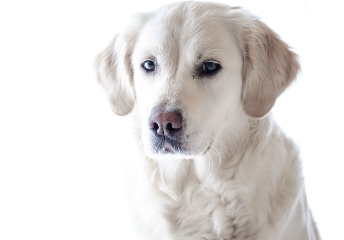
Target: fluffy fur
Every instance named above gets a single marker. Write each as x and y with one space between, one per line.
234 174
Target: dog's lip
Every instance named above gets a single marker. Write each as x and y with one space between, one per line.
167 148
209 146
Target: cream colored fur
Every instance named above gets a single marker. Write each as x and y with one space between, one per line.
239 176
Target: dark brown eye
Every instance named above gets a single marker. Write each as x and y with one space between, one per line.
210 67
148 65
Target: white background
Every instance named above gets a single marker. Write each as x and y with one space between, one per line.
60 174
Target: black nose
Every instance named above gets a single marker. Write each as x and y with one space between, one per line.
166 123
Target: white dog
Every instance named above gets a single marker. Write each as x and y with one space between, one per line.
199 80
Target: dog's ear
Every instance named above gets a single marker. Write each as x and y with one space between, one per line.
269 67
114 69
114 74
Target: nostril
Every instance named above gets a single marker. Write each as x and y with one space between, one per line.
169 127
155 126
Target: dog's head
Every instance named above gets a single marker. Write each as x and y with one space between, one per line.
191 70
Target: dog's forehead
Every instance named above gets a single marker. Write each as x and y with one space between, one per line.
185 28
183 24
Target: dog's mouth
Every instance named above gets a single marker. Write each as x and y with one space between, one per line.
167 146
208 148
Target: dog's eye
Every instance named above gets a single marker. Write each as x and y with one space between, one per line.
148 66
210 67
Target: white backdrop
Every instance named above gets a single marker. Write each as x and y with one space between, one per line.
59 174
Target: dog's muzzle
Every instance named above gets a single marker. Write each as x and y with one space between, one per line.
166 131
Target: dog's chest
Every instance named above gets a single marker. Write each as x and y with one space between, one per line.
200 212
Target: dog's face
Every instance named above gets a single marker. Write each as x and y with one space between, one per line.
188 80
190 70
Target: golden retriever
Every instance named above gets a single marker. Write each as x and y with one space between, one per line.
199 81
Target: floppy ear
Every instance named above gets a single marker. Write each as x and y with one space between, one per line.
114 68
269 67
